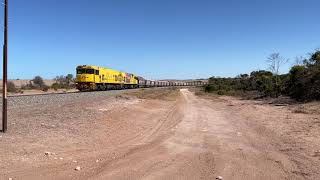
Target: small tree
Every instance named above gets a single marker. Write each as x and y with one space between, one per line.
69 79
64 81
60 81
38 81
275 61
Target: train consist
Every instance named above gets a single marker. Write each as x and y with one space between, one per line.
92 78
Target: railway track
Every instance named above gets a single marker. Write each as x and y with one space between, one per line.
43 94
74 92
45 99
60 98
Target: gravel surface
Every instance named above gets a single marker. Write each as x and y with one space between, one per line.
66 125
43 99
65 114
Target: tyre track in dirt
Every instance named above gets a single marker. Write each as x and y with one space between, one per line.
209 140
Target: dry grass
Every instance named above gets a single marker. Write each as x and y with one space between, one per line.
308 108
168 94
296 107
199 92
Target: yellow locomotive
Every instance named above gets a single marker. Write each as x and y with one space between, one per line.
90 78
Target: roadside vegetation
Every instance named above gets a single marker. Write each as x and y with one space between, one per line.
302 83
11 87
63 82
38 83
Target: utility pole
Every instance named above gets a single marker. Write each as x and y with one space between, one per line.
5 70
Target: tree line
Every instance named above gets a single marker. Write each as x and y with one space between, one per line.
61 82
302 82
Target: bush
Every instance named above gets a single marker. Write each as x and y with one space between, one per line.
45 88
38 81
296 82
55 86
209 88
27 86
66 82
11 87
301 83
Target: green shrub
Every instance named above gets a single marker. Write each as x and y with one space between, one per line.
209 88
301 83
55 86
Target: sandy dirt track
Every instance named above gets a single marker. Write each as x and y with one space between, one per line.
125 137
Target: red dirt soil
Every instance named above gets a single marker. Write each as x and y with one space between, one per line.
191 137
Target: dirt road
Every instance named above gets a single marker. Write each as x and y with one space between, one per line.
189 138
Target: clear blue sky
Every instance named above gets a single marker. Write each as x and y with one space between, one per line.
158 38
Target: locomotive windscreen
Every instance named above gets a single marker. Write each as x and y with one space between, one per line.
85 71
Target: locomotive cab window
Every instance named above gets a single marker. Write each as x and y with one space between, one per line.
81 71
89 71
97 72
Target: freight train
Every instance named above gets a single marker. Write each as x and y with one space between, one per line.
92 78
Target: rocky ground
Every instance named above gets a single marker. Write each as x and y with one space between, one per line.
158 133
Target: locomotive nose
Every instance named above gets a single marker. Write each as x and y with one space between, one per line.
83 78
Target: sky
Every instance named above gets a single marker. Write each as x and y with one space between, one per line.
158 39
